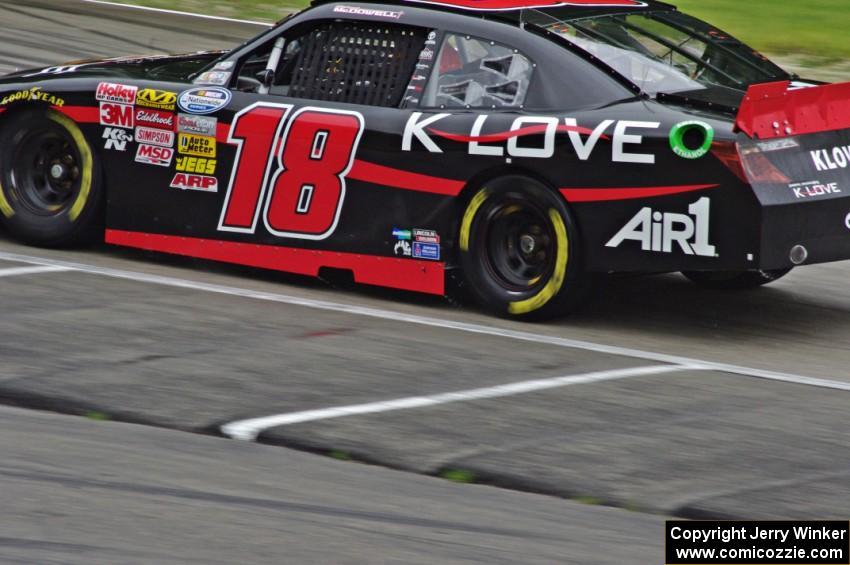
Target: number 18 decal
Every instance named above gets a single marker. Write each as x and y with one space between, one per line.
297 178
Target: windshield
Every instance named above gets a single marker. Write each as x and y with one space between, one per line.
665 51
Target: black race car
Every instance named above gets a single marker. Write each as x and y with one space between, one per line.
521 145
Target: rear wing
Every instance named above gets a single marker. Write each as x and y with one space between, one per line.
774 110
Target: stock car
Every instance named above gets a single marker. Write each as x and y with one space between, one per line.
522 147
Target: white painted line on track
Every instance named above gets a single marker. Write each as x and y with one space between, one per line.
248 430
177 13
20 271
428 321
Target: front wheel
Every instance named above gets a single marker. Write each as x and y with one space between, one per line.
50 190
735 280
519 250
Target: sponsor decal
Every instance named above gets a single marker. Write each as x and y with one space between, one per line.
157 99
506 5
116 139
814 189
117 93
358 11
198 165
431 38
696 128
60 70
204 100
777 144
34 94
154 155
403 248
623 135
154 136
224 66
219 78
155 118
402 234
662 232
831 159
199 125
118 115
426 54
198 145
426 236
430 251
195 182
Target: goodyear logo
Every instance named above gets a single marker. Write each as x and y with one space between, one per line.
198 145
159 99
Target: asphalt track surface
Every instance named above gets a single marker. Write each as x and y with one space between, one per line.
659 398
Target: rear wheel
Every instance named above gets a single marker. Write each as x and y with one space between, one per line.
50 190
519 250
735 280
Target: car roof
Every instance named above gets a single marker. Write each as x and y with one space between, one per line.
511 9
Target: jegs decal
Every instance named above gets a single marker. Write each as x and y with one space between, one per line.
290 168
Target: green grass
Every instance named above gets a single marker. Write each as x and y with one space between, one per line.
816 27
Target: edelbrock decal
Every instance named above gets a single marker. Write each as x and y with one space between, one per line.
204 100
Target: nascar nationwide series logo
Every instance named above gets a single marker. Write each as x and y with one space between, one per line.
659 231
157 99
204 100
117 93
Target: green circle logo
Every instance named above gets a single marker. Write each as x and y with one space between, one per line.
677 139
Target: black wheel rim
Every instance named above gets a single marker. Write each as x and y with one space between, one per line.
520 245
45 171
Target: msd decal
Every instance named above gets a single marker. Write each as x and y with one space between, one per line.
118 115
117 93
510 143
153 155
658 231
195 182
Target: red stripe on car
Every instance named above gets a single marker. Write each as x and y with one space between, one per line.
404 274
628 193
396 178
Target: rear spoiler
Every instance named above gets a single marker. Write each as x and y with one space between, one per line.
773 110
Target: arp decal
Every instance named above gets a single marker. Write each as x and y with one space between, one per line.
292 169
204 100
156 99
625 134
505 5
117 115
200 183
659 231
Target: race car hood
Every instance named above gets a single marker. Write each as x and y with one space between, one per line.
175 68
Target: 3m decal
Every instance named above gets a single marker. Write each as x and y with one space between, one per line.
547 127
659 231
116 139
157 99
204 100
117 93
118 115
155 118
154 155
34 94
198 165
202 183
297 177
199 125
505 5
154 136
198 145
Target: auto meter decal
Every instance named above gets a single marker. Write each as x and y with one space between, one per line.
505 5
204 100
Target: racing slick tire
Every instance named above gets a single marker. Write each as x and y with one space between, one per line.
519 250
735 280
50 181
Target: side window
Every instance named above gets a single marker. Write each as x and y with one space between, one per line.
354 62
477 73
